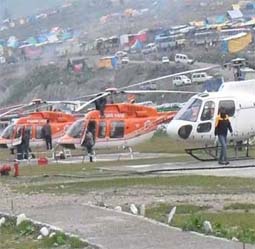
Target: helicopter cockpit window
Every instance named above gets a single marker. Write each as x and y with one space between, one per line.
38 132
190 111
8 132
229 107
208 111
117 129
102 129
28 130
76 129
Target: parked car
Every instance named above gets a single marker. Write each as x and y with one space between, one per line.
200 77
148 86
165 60
120 54
183 58
149 48
125 60
181 80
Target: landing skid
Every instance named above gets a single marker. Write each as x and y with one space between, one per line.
130 150
209 154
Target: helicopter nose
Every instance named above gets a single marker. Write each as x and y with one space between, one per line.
177 130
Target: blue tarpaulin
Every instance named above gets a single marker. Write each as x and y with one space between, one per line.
212 85
114 61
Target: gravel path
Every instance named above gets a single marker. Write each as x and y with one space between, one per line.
113 230
105 227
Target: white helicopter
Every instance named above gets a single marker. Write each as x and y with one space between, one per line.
194 124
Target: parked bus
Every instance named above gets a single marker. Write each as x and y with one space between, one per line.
207 37
170 42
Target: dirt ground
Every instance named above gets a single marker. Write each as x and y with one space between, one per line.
16 202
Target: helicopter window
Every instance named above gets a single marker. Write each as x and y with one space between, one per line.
204 127
190 111
102 130
8 132
229 106
38 133
208 111
117 129
76 129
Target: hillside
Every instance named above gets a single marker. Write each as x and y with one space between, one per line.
25 81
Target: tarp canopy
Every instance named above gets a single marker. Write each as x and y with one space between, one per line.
235 14
137 45
31 40
235 6
108 62
236 43
12 42
216 19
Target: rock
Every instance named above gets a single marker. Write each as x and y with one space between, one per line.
235 239
118 208
142 210
20 219
101 204
2 221
207 227
44 231
39 237
62 186
171 215
133 209
52 234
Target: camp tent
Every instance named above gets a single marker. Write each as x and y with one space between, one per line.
236 43
234 14
108 62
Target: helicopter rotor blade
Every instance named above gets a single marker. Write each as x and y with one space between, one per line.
158 91
87 96
169 76
14 109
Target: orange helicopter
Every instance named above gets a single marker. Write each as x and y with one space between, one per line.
34 121
123 124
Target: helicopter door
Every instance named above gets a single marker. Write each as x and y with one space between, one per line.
101 129
230 108
90 127
205 128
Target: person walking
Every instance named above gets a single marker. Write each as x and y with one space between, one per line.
25 143
222 126
89 142
47 135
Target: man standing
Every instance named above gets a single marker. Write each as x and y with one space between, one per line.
46 133
221 130
89 143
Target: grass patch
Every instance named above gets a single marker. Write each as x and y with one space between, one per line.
227 225
199 184
24 237
240 206
160 211
160 143
191 218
